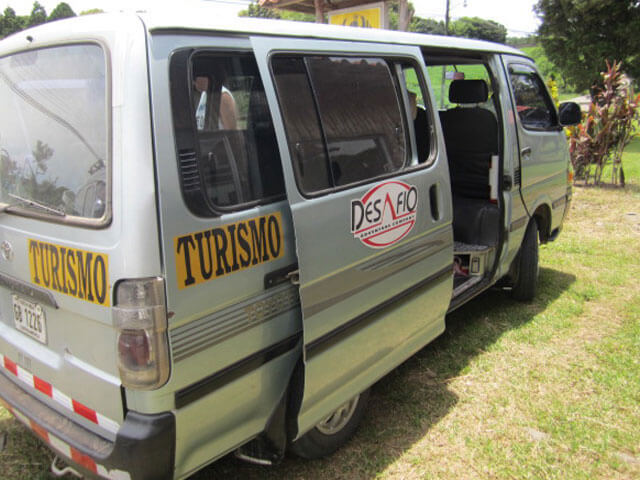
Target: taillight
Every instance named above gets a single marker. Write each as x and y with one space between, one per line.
140 319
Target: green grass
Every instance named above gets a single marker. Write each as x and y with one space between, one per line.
543 390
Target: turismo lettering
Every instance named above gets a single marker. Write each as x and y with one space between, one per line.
214 253
77 273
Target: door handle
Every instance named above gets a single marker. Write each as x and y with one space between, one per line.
289 273
525 152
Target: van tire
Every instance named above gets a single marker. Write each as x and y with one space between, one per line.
332 432
524 288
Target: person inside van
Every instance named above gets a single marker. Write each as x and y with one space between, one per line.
227 115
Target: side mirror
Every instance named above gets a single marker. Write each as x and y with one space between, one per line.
570 114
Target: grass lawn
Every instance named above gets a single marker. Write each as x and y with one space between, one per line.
545 390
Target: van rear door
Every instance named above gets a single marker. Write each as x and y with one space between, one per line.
59 244
372 221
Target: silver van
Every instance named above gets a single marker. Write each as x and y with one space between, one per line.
215 237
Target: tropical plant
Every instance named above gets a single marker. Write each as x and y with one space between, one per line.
607 128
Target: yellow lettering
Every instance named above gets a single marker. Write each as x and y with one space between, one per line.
77 273
226 249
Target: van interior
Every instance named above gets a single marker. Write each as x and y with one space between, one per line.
469 117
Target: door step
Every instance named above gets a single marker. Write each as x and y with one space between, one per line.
470 265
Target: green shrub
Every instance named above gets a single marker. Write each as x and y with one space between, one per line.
606 129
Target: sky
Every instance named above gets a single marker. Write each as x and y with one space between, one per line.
516 15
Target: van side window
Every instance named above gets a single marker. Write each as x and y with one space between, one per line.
535 107
343 119
226 145
418 109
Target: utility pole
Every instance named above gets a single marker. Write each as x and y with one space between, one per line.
446 19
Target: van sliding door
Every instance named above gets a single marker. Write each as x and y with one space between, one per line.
372 220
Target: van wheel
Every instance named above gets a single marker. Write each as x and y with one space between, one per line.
524 288
333 431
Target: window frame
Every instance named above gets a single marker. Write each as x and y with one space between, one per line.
75 220
199 203
393 63
524 69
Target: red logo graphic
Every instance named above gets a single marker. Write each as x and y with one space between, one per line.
385 214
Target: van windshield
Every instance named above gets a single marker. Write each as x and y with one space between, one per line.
53 131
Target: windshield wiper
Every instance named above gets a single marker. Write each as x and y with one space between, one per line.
33 203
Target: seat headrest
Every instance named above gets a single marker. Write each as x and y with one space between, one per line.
468 91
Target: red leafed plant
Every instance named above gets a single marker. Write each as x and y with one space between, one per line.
606 129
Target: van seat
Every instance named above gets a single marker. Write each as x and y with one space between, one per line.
475 221
471 138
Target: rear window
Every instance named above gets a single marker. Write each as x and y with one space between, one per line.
53 132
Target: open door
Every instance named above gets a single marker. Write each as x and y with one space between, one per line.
372 220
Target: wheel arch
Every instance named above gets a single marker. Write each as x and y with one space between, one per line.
542 215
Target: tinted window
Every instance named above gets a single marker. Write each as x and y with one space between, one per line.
534 106
306 140
226 143
53 130
343 118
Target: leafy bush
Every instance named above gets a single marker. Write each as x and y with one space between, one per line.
606 129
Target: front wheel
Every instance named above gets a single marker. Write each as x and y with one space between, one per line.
524 288
333 431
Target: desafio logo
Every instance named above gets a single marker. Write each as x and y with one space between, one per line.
385 214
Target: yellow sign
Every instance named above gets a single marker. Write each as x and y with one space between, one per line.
366 16
78 273
204 256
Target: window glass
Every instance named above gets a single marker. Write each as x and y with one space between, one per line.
533 103
418 108
237 150
306 142
53 130
441 77
361 117
343 118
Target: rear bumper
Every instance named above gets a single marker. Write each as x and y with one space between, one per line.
144 447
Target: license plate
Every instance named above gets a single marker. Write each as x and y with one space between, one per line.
29 318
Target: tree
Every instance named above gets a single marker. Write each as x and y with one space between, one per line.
10 22
297 16
62 10
91 11
38 15
394 14
256 11
475 27
426 25
579 35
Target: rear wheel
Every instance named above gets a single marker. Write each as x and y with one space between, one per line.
524 288
333 431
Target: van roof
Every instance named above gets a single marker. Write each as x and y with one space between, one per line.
191 20
203 19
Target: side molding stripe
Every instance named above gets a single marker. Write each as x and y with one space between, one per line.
234 371
327 340
519 223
